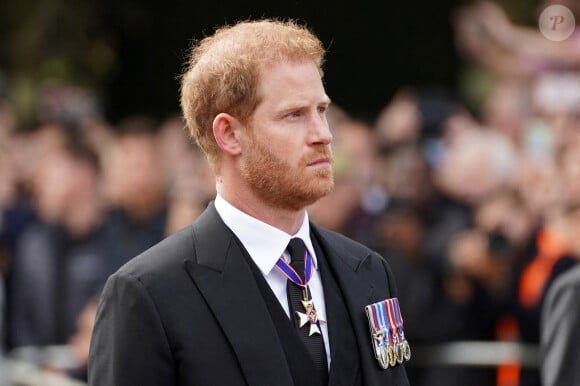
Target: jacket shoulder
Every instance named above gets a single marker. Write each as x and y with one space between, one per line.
161 258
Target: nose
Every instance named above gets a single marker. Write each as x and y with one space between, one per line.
320 133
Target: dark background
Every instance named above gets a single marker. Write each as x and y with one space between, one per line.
132 52
373 48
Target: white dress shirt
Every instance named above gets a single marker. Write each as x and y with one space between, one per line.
265 244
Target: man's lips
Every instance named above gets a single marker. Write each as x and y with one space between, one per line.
321 162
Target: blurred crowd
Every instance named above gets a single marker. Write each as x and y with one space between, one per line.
477 210
79 198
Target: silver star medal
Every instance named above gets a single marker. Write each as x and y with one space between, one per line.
309 317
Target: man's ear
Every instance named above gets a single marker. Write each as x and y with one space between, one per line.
226 132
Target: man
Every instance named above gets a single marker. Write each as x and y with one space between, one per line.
560 318
252 293
560 335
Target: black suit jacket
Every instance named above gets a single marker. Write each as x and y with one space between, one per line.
189 312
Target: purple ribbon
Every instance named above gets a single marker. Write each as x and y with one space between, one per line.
292 275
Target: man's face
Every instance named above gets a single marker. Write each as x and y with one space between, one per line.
53 186
286 158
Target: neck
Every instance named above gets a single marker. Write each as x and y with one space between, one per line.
287 220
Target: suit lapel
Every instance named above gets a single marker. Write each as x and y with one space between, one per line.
227 284
362 282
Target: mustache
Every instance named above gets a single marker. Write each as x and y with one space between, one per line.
324 153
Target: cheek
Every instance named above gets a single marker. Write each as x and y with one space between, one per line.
277 138
278 145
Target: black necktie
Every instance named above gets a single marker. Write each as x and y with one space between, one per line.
314 343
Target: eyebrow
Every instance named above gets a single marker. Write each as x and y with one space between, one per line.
302 103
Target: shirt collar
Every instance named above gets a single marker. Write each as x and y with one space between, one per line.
264 243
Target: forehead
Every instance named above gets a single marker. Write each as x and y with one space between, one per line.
286 83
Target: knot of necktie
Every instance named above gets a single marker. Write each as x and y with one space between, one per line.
297 251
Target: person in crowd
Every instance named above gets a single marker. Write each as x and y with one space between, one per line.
188 178
352 205
135 189
400 121
486 35
210 305
450 300
60 260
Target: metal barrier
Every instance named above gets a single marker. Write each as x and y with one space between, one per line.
464 353
27 366
26 374
476 354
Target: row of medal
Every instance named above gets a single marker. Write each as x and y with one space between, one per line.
387 335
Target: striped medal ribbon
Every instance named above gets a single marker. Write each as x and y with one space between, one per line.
402 348
380 332
292 275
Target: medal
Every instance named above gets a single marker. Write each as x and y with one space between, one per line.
387 335
405 347
399 352
380 333
392 356
396 346
402 349
406 350
381 348
310 316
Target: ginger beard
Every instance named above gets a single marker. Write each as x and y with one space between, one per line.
281 184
